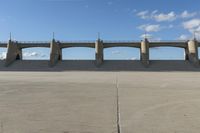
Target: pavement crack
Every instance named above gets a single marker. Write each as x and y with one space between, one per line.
118 106
2 128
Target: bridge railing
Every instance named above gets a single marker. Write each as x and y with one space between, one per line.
120 41
168 41
78 41
3 42
32 42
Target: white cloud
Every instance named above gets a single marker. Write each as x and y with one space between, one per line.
2 55
186 14
154 12
133 58
109 3
143 14
150 28
171 26
116 52
148 36
192 25
33 54
183 37
171 16
25 55
159 17
162 17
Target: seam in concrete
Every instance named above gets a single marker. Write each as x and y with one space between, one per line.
118 107
2 129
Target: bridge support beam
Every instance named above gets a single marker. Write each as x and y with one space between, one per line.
144 52
55 54
13 53
193 52
99 52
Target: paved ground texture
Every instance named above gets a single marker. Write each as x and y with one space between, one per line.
87 102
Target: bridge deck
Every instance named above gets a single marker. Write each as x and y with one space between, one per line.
33 44
3 45
107 44
77 44
122 44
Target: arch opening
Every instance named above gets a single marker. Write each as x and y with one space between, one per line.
78 53
199 52
3 52
36 53
166 53
121 53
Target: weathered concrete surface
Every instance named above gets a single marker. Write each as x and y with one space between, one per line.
193 52
90 65
99 52
159 102
145 52
85 102
13 53
57 103
56 53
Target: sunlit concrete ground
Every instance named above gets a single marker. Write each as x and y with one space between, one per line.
86 102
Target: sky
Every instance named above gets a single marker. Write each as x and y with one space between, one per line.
36 20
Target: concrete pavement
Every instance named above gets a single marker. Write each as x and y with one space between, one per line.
86 102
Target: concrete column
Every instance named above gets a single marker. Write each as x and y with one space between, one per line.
99 52
56 53
13 53
186 54
144 52
193 52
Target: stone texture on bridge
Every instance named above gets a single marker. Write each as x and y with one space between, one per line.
145 52
99 52
56 53
14 49
13 53
193 52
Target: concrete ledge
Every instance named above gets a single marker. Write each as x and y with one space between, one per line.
108 65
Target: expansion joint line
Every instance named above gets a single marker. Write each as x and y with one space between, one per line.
1 124
118 107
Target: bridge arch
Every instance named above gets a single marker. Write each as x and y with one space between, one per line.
35 53
78 53
167 53
3 52
199 52
121 53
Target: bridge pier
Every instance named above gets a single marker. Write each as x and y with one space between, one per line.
193 52
186 54
144 52
56 53
99 52
13 53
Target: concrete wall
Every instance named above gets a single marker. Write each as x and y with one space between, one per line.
193 52
13 53
14 50
145 52
99 52
56 53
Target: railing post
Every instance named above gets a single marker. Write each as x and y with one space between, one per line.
13 53
99 52
193 52
144 52
56 53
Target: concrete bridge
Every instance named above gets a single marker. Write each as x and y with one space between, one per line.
14 48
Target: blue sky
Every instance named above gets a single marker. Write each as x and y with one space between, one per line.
35 20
